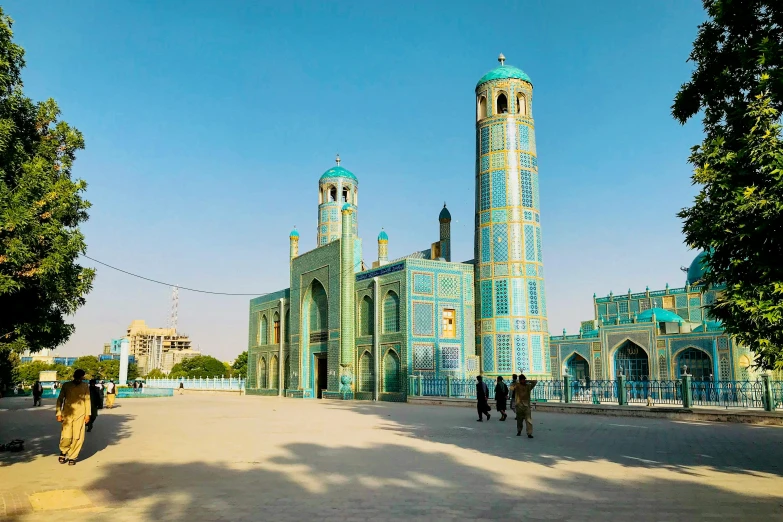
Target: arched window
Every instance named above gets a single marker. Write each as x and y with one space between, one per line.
274 381
276 323
366 373
501 104
598 368
318 308
263 331
261 373
521 104
391 313
578 368
346 195
366 317
482 108
391 372
698 362
631 360
725 370
332 194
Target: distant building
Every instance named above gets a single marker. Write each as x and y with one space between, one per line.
46 356
156 348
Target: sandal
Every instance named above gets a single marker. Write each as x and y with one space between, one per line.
71 462
61 459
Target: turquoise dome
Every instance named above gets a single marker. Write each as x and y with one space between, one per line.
347 206
383 236
698 269
294 233
444 214
711 326
504 72
339 172
661 316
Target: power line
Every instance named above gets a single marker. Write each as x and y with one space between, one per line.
167 284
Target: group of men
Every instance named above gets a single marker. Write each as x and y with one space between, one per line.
520 390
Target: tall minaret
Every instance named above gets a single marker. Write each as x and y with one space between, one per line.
445 233
336 187
293 239
511 324
383 248
347 301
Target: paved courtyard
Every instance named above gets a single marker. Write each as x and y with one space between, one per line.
218 457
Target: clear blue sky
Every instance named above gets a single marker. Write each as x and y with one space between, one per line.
209 123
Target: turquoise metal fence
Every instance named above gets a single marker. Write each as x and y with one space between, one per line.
144 393
217 383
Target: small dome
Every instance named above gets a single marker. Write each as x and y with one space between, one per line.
711 326
698 269
347 206
661 316
339 172
383 236
294 234
504 72
444 214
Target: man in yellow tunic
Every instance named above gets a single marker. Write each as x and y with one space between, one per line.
522 390
73 411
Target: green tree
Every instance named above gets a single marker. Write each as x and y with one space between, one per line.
155 373
240 365
109 370
64 373
199 366
29 372
9 367
91 366
41 208
133 370
737 217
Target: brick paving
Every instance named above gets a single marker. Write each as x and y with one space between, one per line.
213 457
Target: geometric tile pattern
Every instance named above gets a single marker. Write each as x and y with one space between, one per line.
522 357
422 284
423 319
535 348
503 350
449 357
448 285
423 356
488 354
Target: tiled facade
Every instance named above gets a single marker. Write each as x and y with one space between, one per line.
349 332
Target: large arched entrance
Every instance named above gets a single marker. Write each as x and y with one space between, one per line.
631 360
578 368
315 331
699 364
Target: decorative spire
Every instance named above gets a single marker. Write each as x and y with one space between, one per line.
337 160
502 59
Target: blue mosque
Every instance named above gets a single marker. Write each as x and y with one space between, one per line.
345 330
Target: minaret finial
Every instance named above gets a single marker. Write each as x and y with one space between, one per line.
337 159
502 59
444 204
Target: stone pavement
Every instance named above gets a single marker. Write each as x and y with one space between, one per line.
211 457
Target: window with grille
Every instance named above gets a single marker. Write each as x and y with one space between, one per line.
449 323
391 313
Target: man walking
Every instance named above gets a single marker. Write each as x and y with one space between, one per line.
37 393
111 394
95 402
522 391
482 395
511 390
73 411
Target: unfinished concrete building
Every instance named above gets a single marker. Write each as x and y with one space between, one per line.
158 348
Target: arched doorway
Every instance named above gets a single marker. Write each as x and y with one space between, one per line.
366 373
631 360
314 328
578 368
699 364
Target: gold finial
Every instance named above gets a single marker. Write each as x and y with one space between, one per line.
502 59
337 159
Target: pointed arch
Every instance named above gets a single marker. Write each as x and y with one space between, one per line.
501 103
631 360
287 372
577 367
391 372
261 373
274 381
391 313
366 372
263 330
276 327
317 307
521 104
663 368
481 108
698 361
366 322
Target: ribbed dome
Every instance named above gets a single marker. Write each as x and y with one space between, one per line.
339 172
698 269
661 316
294 233
383 236
504 72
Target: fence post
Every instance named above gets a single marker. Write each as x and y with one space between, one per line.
566 388
448 386
687 392
421 388
769 404
622 397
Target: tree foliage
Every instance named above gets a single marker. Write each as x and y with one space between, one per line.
199 366
41 208
240 365
155 373
737 217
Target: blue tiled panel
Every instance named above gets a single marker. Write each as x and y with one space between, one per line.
501 297
535 348
500 242
522 358
518 296
485 140
524 140
530 246
503 350
527 189
485 242
532 294
486 299
488 353
484 195
498 188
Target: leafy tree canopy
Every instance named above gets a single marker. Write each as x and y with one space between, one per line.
41 208
199 366
240 365
155 373
737 216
